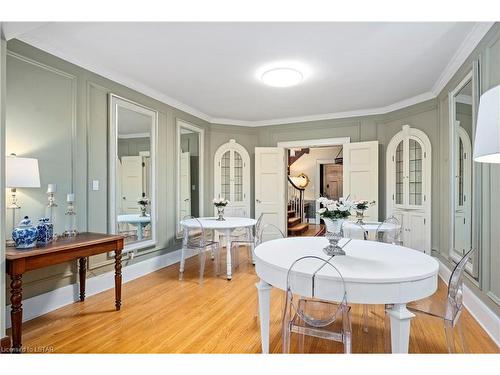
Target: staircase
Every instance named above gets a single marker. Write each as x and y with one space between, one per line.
297 223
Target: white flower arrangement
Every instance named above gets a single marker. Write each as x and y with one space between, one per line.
363 205
333 209
220 202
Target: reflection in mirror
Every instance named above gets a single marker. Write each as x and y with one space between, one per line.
133 161
463 138
190 171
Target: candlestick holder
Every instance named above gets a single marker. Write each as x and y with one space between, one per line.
70 221
51 211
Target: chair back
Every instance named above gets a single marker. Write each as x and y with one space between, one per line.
389 231
302 281
353 230
194 234
455 289
268 232
260 222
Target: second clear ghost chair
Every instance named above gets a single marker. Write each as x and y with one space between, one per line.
248 238
195 238
353 230
449 311
389 231
356 231
305 313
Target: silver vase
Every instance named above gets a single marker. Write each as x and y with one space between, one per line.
220 213
333 235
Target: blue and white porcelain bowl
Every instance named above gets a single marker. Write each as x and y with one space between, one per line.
25 234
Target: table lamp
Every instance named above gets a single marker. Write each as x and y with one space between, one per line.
19 173
487 139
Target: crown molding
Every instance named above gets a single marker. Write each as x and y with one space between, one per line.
471 41
330 116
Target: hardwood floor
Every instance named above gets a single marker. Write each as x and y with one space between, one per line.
161 314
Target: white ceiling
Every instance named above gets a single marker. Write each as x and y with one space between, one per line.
209 69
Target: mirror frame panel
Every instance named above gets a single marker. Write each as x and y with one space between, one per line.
116 101
201 133
472 76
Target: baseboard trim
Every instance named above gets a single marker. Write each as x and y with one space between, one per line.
47 302
478 309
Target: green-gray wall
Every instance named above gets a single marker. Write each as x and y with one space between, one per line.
90 148
58 113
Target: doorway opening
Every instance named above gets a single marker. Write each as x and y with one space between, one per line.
312 172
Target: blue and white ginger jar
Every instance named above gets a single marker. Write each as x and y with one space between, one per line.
25 234
45 231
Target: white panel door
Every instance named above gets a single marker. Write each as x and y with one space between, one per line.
361 174
131 183
270 194
185 185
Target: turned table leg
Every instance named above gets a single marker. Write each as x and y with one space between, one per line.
118 279
16 313
83 275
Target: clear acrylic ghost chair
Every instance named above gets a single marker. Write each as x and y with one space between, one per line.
249 238
307 315
195 238
265 233
268 232
353 230
389 231
356 231
449 311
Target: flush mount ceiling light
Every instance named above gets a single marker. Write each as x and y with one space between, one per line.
282 77
284 73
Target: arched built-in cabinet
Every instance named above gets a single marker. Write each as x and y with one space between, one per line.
232 178
409 186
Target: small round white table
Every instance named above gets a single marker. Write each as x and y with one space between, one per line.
136 220
225 227
374 272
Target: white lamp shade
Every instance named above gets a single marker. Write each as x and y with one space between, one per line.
487 139
21 172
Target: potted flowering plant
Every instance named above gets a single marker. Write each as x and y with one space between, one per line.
333 214
220 203
361 206
143 205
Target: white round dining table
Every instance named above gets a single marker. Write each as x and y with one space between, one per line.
226 227
374 273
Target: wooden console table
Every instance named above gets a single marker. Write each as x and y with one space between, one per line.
60 251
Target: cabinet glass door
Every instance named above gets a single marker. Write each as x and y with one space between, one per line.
399 160
238 177
415 173
225 177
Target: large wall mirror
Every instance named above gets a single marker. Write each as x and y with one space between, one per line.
132 171
463 106
190 140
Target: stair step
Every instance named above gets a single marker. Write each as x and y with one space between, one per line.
291 213
292 221
298 229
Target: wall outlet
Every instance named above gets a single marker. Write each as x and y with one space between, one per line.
95 185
